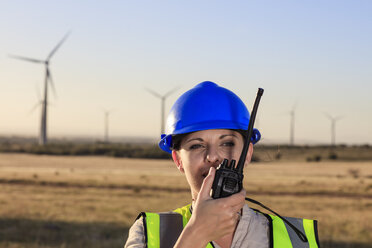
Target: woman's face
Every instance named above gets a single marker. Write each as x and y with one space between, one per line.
203 149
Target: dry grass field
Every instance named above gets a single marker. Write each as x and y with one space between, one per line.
56 201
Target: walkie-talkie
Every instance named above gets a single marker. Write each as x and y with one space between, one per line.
228 179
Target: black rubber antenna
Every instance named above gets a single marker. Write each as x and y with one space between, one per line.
240 165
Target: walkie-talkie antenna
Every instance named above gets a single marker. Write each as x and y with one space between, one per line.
240 165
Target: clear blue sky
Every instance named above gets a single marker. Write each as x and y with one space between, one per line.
316 54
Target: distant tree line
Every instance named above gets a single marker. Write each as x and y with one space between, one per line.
100 149
262 153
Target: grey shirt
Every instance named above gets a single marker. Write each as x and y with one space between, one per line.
251 232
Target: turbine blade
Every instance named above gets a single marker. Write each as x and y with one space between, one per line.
328 115
35 107
38 92
49 77
26 59
57 46
153 93
171 91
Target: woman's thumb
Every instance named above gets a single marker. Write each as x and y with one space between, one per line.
207 184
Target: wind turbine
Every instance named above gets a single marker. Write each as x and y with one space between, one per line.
292 124
333 120
48 78
106 114
162 98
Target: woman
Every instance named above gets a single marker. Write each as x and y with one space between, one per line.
206 125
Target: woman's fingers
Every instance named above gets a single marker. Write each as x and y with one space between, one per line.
207 185
234 200
216 217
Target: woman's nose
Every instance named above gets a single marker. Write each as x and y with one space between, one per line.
213 156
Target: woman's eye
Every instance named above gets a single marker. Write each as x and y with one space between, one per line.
195 146
229 143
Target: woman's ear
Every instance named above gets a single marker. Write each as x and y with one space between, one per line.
177 160
250 154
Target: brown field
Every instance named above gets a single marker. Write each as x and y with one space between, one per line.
56 201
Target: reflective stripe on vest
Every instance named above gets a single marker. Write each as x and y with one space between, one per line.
163 229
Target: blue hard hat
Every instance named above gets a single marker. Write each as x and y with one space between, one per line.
206 106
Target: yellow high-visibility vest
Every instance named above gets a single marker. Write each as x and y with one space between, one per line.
163 229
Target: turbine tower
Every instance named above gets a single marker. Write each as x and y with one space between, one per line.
292 125
333 127
162 98
106 124
48 79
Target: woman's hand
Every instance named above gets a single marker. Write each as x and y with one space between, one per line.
211 218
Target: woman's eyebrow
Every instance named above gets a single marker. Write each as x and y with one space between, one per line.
198 139
226 135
